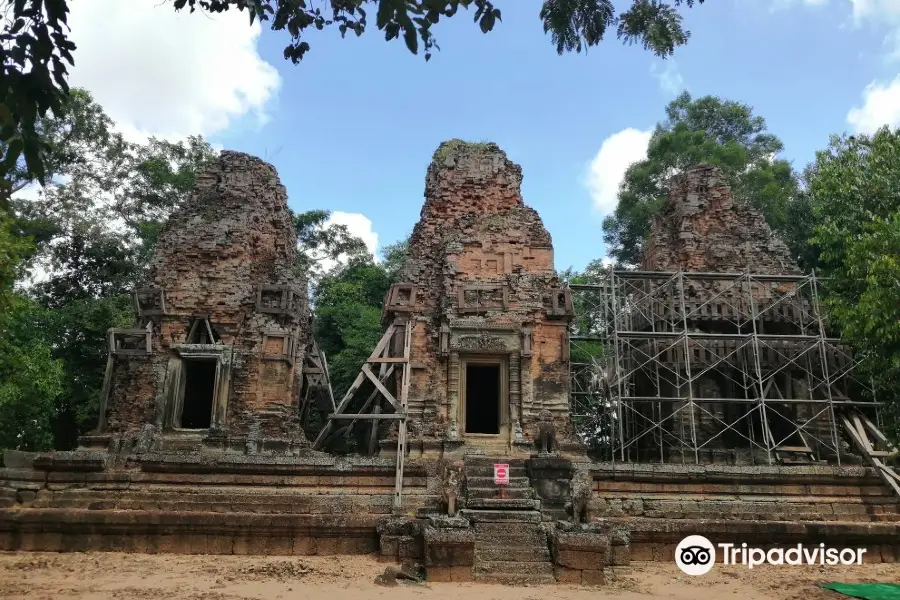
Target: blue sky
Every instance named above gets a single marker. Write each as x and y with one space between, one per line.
353 126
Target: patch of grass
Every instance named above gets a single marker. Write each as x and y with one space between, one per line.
456 145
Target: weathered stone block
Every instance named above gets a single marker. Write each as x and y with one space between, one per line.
620 555
566 575
593 577
580 559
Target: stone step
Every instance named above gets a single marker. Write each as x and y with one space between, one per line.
513 567
488 528
511 541
488 482
489 472
515 579
490 461
499 516
500 491
503 503
529 554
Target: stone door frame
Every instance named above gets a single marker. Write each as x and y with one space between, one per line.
175 383
502 360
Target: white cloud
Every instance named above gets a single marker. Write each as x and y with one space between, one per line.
359 225
669 77
168 74
876 10
881 106
607 169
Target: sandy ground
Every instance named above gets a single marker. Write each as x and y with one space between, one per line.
89 576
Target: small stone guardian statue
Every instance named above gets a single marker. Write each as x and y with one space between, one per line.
582 484
450 488
546 430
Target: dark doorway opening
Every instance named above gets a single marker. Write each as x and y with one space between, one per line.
482 398
199 390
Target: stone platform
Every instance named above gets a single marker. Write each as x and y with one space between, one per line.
314 504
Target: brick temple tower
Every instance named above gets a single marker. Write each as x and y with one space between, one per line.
489 341
216 356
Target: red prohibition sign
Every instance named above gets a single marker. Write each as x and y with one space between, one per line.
501 474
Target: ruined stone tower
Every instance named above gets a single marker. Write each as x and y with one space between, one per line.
701 228
727 358
222 326
489 344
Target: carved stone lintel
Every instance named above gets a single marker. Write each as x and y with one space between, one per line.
480 342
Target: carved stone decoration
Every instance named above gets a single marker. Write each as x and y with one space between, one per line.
546 432
526 342
582 485
480 342
445 339
450 487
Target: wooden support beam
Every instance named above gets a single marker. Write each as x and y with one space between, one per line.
384 391
887 473
340 407
383 374
382 344
874 430
862 434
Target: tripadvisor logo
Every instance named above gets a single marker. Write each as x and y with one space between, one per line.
696 555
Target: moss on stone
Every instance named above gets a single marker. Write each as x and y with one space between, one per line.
461 146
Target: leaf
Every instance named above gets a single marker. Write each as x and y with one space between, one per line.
412 40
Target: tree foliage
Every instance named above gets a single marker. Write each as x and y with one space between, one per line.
321 243
710 130
348 317
572 24
856 203
35 49
31 379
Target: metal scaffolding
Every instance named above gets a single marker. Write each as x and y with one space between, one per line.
711 367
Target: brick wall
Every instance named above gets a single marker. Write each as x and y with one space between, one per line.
234 234
475 230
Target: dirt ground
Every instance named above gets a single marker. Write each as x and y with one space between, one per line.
89 576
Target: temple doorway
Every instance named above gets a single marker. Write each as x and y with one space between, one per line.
483 391
199 392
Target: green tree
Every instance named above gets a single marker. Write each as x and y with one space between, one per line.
34 51
320 242
856 203
34 47
31 379
348 305
710 130
395 256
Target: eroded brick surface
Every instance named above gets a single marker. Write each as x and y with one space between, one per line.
231 237
702 228
481 266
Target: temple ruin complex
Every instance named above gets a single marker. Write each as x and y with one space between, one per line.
514 427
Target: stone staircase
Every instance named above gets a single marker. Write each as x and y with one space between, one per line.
510 545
